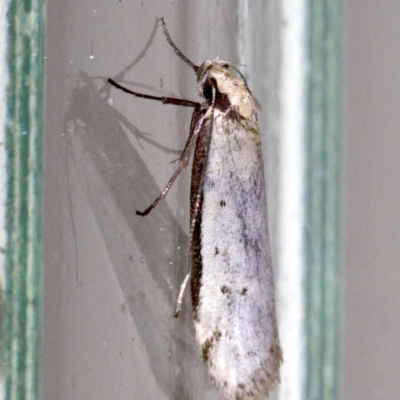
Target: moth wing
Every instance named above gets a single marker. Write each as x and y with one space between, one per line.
235 312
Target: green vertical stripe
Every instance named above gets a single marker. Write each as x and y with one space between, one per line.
323 192
24 149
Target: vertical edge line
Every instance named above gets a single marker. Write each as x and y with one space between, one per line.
4 80
323 210
292 198
23 277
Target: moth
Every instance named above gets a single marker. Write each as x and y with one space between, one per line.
232 286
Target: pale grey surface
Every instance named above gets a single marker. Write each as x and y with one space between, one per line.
371 202
112 278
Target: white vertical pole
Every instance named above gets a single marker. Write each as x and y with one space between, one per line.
291 259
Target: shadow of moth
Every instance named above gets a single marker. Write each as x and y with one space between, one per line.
231 273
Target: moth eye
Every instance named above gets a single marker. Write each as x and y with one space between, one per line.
207 92
226 66
207 89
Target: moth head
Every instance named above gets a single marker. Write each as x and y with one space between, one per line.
230 85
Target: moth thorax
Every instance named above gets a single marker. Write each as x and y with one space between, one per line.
231 89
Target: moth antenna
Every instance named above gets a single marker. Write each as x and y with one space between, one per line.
241 65
176 50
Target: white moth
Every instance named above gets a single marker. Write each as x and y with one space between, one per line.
231 273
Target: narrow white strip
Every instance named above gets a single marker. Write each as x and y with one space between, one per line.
291 260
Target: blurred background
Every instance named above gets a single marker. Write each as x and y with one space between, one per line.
370 269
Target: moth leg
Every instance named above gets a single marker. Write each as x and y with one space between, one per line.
196 208
180 297
163 99
183 160
163 193
228 110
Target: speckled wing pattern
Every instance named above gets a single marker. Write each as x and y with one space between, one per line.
232 282
231 273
